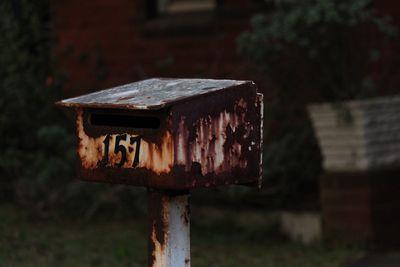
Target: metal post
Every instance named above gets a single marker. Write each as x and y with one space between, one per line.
169 228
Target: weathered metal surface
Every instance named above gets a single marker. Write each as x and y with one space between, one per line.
149 94
139 153
209 140
215 144
169 235
260 110
173 134
217 139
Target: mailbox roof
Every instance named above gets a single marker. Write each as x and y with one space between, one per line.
149 94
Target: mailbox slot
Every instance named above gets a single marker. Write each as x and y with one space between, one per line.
148 123
121 120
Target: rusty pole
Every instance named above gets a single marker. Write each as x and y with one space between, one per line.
169 228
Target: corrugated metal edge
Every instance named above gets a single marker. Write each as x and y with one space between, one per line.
260 99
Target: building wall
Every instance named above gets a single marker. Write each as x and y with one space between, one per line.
104 43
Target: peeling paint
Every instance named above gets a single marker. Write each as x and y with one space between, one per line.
158 158
207 134
169 239
209 140
90 149
214 147
158 253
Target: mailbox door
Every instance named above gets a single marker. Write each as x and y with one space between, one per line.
124 146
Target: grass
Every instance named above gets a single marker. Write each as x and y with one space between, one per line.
220 238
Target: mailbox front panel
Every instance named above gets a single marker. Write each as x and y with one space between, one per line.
121 146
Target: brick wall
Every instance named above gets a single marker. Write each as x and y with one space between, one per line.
362 207
104 43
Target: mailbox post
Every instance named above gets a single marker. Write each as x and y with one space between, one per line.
171 136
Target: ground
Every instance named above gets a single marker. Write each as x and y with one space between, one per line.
220 238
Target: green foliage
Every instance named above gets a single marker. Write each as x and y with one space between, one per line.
252 239
37 159
308 51
292 165
36 147
220 238
317 44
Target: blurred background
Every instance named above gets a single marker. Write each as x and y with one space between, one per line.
330 194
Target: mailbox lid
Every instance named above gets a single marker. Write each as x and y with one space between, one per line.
151 94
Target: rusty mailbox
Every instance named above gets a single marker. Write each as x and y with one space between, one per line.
171 135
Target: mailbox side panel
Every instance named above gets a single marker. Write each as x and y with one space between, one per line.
218 138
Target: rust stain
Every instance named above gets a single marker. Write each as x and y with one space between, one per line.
155 157
158 158
216 143
159 217
158 254
90 149
185 216
211 140
242 103
169 219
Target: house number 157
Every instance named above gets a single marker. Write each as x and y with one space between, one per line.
120 148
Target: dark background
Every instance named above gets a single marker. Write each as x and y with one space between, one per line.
50 50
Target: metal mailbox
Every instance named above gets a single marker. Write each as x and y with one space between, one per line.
171 133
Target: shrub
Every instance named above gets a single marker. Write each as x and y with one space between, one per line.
308 50
318 44
36 145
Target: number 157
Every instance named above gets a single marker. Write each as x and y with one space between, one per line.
120 148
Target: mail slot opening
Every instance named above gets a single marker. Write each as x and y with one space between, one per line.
129 121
